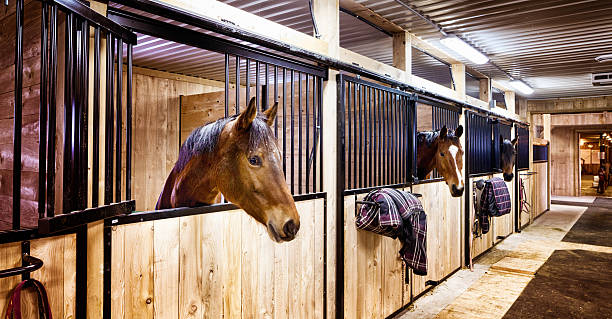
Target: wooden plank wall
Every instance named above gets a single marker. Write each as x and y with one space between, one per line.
31 91
527 217
156 113
564 162
540 184
499 226
444 233
218 265
58 274
374 273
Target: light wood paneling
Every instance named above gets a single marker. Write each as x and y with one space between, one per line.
481 244
444 235
540 201
220 264
504 225
58 274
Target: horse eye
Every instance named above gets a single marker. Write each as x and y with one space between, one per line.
441 154
255 160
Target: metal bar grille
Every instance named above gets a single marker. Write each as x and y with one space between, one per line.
376 131
522 147
72 150
480 150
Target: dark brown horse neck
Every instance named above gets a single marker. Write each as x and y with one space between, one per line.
426 150
190 186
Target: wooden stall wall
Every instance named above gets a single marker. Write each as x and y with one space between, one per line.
444 233
540 201
373 271
156 114
486 241
526 215
31 91
58 274
218 265
504 225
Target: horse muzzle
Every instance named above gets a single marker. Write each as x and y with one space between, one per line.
290 230
508 177
456 191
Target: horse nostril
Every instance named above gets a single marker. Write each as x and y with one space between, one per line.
290 229
457 191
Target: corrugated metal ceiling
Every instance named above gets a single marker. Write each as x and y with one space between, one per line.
549 43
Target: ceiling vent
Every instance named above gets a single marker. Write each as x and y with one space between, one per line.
601 79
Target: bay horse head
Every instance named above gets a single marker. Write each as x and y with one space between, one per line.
508 154
239 158
442 150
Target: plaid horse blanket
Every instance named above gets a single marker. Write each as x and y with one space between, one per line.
496 198
398 214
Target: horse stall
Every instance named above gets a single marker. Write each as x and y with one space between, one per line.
104 104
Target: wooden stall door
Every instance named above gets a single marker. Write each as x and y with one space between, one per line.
218 265
373 270
58 275
481 244
540 201
444 236
504 225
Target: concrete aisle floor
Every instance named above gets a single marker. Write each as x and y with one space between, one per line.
500 275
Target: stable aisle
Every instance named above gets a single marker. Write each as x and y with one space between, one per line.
546 271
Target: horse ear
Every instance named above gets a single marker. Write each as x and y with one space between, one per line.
459 131
270 114
514 141
246 118
443 132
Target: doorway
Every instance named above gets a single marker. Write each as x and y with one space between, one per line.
595 165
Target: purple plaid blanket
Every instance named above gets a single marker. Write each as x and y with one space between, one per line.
398 214
496 198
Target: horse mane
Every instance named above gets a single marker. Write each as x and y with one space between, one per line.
204 139
429 137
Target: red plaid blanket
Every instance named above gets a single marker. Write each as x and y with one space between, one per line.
398 214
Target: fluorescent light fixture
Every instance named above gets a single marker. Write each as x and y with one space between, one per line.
464 49
521 87
604 58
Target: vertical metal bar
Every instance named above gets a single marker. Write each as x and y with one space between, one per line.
292 138
284 122
84 112
52 114
385 140
320 126
361 134
128 136
348 134
340 166
237 85
370 136
307 136
42 119
227 85
257 85
17 120
108 157
248 81
69 124
119 118
376 98
355 141
276 99
264 99
300 133
96 122
315 134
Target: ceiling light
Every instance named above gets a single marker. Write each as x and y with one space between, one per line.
604 58
521 87
466 50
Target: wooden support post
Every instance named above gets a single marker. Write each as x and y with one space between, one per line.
327 17
485 90
510 101
458 71
402 52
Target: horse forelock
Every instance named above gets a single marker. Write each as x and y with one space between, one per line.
204 139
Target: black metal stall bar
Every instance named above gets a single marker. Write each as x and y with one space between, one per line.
378 130
78 20
296 86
